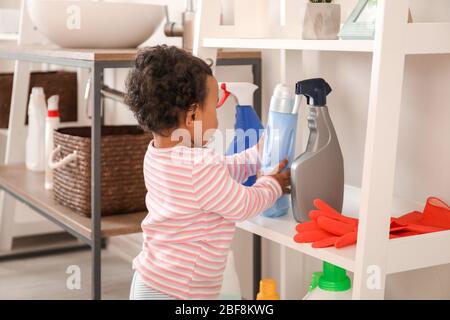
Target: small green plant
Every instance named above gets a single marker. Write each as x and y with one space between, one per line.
321 1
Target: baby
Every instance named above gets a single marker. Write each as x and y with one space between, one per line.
194 195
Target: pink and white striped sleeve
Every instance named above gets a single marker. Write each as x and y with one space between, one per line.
216 191
244 164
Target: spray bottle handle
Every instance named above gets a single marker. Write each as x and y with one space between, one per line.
226 94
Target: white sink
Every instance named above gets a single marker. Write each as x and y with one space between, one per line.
95 24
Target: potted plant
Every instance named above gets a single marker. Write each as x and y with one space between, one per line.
322 20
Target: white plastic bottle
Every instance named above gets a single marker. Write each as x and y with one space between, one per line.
231 289
35 143
331 284
51 123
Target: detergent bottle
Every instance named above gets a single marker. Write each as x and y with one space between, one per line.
319 171
248 126
331 284
35 141
279 143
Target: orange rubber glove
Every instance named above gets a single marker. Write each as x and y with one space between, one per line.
327 228
435 217
330 228
436 214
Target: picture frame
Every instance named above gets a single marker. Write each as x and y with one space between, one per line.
360 25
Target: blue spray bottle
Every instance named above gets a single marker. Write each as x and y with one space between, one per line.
248 126
279 143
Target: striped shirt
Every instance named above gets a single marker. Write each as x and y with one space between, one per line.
194 198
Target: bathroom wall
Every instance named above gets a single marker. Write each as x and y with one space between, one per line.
9 4
423 155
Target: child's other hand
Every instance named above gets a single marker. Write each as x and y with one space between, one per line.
283 177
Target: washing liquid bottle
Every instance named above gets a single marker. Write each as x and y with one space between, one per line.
330 284
35 142
248 126
318 173
279 143
51 124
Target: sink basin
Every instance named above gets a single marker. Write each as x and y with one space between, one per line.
95 24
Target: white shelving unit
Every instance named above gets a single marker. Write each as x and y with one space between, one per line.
282 230
374 255
400 256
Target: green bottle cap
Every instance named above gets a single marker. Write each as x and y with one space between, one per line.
334 278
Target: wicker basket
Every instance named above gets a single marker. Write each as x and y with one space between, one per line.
122 182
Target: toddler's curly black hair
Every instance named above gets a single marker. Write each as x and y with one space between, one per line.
165 83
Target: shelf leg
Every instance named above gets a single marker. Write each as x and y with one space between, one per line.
257 79
283 272
96 183
381 149
16 137
257 271
208 15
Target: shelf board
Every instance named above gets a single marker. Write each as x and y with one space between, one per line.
421 38
282 230
230 55
422 251
41 52
290 44
28 187
87 58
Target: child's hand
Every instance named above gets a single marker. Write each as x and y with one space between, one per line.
283 177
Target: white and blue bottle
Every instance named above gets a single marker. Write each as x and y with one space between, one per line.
279 143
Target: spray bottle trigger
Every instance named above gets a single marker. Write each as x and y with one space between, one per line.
225 96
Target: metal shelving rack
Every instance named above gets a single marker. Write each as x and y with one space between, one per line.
28 187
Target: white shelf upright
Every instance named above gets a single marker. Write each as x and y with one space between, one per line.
17 131
380 153
375 255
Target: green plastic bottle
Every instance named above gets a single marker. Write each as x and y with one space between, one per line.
330 284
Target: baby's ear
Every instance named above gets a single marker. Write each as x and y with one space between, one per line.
190 118
192 114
